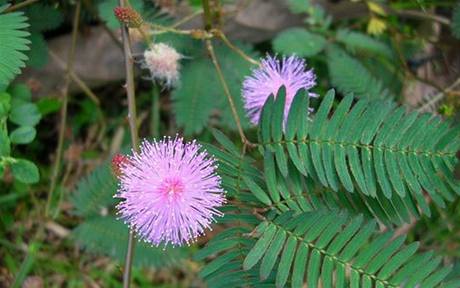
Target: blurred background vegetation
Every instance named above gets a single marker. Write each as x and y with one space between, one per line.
405 51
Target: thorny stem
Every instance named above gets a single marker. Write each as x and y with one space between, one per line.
129 65
210 48
65 100
204 34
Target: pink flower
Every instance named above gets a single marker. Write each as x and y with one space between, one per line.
163 63
268 79
170 192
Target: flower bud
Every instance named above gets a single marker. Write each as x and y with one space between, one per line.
163 63
128 16
117 163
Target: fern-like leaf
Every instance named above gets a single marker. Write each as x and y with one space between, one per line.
14 42
43 17
108 236
358 42
300 42
95 192
349 75
331 249
372 148
200 96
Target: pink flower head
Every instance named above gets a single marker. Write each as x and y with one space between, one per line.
170 192
162 61
270 77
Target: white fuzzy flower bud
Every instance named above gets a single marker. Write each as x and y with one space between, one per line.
163 62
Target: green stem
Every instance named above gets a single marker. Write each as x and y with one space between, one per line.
155 112
207 15
132 118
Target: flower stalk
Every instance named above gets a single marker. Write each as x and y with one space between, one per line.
130 92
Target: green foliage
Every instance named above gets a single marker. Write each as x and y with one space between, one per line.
23 135
25 171
376 158
94 193
108 236
201 93
25 114
348 75
336 250
371 148
456 21
14 43
43 17
359 42
17 111
38 54
299 6
300 42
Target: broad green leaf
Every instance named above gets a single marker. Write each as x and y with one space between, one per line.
48 105
23 135
25 171
5 143
25 114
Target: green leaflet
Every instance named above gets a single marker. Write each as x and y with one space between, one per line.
349 75
95 192
375 149
372 258
300 42
200 93
14 42
107 235
359 42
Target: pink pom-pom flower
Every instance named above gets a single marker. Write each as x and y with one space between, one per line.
162 61
170 192
290 72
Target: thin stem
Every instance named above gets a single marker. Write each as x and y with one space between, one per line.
129 68
207 15
187 18
227 42
423 15
21 5
438 97
76 79
65 100
226 91
155 112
